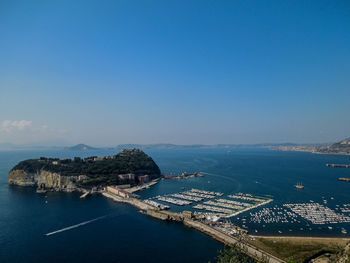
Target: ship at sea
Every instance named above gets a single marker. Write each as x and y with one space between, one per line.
299 186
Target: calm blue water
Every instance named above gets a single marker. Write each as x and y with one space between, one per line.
124 235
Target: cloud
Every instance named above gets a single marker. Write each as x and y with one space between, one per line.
8 125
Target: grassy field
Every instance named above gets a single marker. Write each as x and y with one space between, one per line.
299 249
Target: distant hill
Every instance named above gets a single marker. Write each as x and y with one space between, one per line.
342 147
187 146
80 147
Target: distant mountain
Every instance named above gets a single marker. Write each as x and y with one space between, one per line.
80 147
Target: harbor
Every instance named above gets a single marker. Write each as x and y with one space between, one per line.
225 232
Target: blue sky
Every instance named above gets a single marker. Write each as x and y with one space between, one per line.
110 72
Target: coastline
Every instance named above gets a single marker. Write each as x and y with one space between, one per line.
310 151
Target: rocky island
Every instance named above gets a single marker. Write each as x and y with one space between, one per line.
130 166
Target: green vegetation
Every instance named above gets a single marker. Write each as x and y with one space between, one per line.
235 254
291 249
300 250
99 170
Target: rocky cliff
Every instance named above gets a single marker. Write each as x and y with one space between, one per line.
43 179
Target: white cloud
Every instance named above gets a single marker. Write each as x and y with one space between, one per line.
8 125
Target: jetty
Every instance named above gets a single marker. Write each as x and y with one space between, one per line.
344 179
143 186
338 165
85 194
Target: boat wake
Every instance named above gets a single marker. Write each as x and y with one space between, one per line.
222 176
74 226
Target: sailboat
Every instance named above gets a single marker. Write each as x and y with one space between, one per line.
299 186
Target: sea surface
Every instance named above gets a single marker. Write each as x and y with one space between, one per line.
99 230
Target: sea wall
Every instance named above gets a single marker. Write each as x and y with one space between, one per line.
43 179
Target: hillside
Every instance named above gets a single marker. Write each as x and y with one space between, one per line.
342 147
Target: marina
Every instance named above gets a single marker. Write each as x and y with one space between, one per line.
226 205
206 192
318 214
187 197
173 201
203 196
214 209
157 205
247 197
273 215
213 204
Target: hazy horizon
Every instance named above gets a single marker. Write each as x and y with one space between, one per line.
179 72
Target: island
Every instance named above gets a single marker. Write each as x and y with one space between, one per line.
129 167
81 147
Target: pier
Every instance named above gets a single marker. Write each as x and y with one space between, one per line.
338 165
344 179
84 194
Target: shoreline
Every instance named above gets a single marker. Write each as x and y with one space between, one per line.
305 151
301 237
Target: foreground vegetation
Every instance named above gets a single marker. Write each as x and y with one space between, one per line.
300 250
292 250
234 254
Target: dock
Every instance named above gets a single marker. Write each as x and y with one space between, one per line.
143 186
85 194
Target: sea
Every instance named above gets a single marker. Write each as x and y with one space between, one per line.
61 227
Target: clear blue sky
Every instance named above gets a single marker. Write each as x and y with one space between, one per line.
109 72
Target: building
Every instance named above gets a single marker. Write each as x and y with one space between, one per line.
119 192
144 178
130 177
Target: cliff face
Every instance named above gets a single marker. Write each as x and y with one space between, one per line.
43 179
